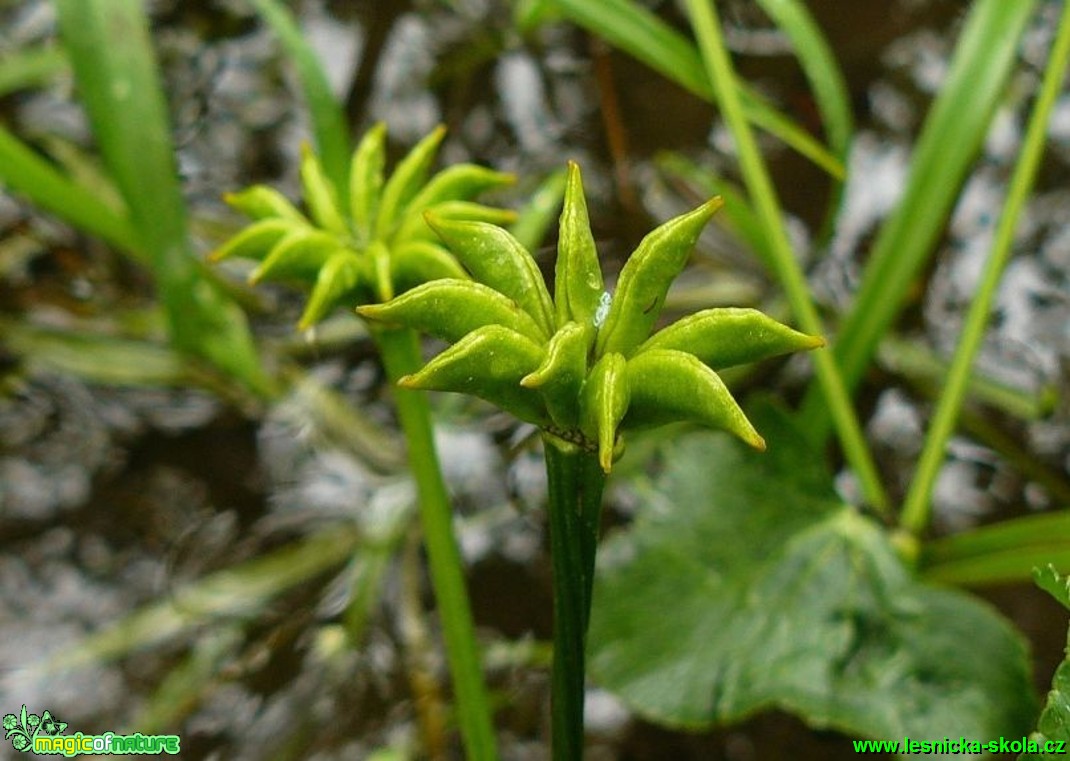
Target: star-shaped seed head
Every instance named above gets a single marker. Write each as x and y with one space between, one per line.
369 243
583 365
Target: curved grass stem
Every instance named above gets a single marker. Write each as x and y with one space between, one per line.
916 508
400 350
722 76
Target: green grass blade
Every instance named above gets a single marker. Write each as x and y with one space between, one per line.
1014 564
1044 530
916 506
111 54
644 36
98 358
25 172
31 67
925 370
820 67
762 114
328 119
239 592
704 20
953 133
400 350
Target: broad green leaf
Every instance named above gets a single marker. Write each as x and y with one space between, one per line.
746 585
1053 727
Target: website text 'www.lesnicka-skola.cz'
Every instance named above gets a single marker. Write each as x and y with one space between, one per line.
961 746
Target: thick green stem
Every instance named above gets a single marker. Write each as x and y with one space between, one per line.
575 489
400 350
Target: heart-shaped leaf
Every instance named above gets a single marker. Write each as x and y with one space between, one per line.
746 585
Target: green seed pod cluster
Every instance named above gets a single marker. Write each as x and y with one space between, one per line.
583 365
371 242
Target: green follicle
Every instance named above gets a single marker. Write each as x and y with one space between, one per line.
451 309
405 182
263 202
415 226
646 277
255 241
496 258
560 376
299 254
669 386
726 337
366 181
604 400
489 363
379 256
320 195
342 276
416 262
578 276
459 182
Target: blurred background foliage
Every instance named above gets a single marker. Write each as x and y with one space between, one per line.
207 520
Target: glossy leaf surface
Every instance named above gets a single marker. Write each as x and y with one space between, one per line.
782 597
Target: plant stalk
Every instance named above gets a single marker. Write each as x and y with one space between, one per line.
704 21
400 350
916 507
575 500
